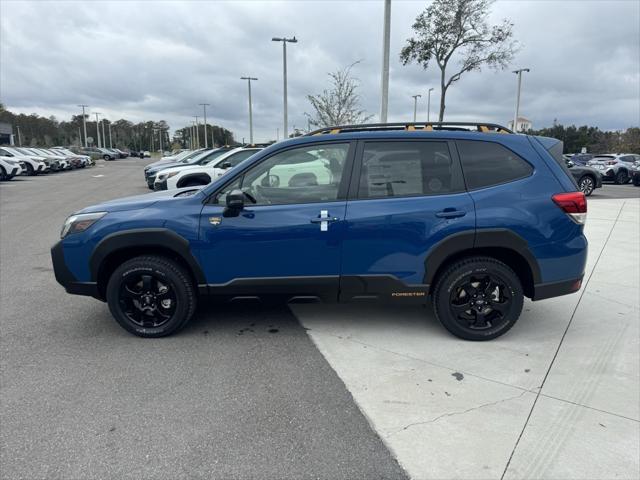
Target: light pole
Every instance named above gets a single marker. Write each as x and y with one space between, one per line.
84 124
98 127
386 40
429 105
284 70
197 130
248 79
515 115
104 137
19 136
204 107
415 106
110 138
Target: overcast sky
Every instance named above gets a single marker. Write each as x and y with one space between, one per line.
152 60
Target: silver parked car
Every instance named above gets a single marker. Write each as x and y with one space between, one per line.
615 167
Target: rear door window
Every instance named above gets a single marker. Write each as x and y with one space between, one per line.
486 164
405 169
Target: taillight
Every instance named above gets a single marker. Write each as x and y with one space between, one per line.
611 162
574 204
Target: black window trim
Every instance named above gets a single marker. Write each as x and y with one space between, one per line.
354 185
343 188
533 168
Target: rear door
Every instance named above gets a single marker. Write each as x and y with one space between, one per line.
405 196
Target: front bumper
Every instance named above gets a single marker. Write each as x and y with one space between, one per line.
157 186
65 278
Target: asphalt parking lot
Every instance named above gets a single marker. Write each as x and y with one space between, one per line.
310 391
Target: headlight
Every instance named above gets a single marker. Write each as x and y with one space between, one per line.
80 222
166 175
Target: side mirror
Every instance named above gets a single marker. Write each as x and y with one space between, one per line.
570 164
270 181
235 200
225 165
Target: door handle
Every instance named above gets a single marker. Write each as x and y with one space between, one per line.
450 213
328 219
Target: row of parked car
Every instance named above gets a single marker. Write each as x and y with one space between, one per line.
192 168
31 161
591 170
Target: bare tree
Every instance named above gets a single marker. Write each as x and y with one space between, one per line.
340 104
458 29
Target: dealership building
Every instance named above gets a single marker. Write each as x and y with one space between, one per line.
6 134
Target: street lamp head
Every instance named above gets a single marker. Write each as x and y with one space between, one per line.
431 89
276 39
292 40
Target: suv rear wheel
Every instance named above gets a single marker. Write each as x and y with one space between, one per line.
478 298
151 296
621 177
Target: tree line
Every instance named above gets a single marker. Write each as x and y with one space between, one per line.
35 130
593 139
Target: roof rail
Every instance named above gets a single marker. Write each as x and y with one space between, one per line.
413 126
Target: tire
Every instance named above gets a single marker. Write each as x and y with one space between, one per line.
30 170
3 174
107 157
636 180
149 318
621 178
587 185
489 314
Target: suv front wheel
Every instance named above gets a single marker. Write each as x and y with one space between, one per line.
151 296
478 298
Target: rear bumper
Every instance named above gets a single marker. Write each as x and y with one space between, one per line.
65 278
556 289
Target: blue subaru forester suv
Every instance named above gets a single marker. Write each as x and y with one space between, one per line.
469 216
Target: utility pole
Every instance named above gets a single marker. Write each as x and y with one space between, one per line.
386 40
284 41
79 137
248 79
415 106
98 128
104 137
204 107
515 116
429 105
84 124
19 136
110 139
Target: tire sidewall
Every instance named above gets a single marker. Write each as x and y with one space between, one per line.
138 267
446 284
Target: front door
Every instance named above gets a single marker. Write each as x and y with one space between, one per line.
288 236
407 196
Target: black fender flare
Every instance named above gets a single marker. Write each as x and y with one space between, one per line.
202 176
483 238
145 237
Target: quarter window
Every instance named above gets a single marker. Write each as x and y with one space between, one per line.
403 169
485 164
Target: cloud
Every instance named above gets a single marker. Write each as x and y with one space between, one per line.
152 60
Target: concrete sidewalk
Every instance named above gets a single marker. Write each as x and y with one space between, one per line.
556 397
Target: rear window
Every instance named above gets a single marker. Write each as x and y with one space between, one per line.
486 164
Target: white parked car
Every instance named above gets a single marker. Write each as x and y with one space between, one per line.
33 164
64 162
191 176
9 168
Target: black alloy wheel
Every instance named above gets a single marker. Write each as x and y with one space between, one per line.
586 185
478 298
148 301
151 296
